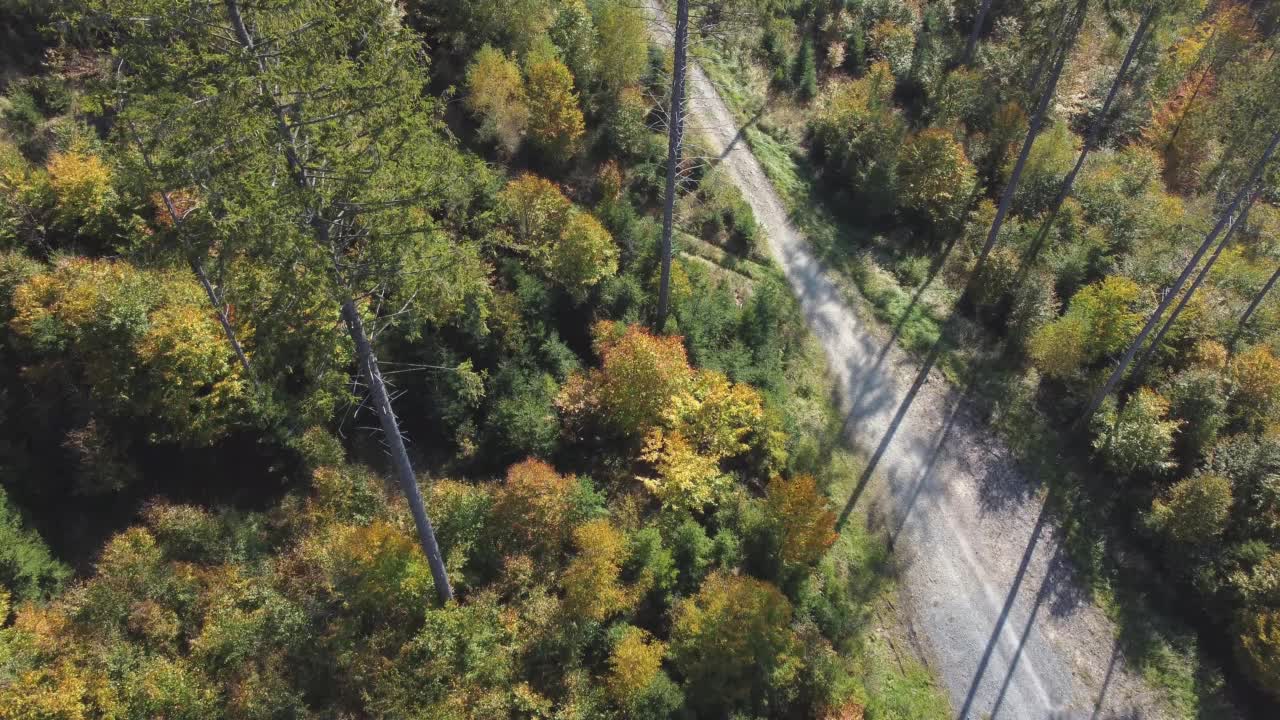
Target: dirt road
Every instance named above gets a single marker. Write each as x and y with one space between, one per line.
999 616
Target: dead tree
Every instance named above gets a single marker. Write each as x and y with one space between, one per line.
1096 401
675 141
322 228
196 263
1095 133
1033 130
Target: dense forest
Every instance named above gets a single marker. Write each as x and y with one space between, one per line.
414 359
330 390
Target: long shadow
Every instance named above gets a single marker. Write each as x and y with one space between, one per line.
927 472
1106 681
738 137
934 269
1022 644
921 378
1004 613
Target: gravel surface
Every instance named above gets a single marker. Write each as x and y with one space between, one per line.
998 615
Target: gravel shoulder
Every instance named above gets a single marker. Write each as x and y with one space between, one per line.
1001 620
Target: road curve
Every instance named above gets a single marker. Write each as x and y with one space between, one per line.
1000 619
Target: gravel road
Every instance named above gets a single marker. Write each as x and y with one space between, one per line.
992 602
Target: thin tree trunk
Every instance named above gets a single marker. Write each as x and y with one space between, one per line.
355 327
1095 132
978 22
1006 198
1118 372
197 268
1253 306
1195 285
395 444
675 138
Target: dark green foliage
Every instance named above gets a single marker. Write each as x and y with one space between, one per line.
855 53
27 569
1196 395
522 420
806 72
692 552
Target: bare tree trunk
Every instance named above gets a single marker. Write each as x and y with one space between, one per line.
1253 306
395 444
1095 132
1037 120
197 267
1195 285
1173 291
675 139
978 22
355 327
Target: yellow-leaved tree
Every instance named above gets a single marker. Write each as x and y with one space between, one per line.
555 120
592 586
496 95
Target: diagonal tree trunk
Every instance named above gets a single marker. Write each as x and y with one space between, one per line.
978 22
351 318
399 456
1096 401
1095 134
675 140
1253 306
1033 130
197 266
1195 285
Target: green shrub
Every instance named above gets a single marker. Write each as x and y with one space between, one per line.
1193 512
27 569
911 270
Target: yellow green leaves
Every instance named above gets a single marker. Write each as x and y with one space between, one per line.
689 420
936 177
555 120
1259 648
622 54
198 386
732 639
495 94
1137 438
639 374
570 246
81 185
144 341
686 478
704 422
536 211
634 664
584 255
592 589
1101 320
1255 380
716 415
1193 511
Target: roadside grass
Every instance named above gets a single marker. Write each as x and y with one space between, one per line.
891 683
1151 637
